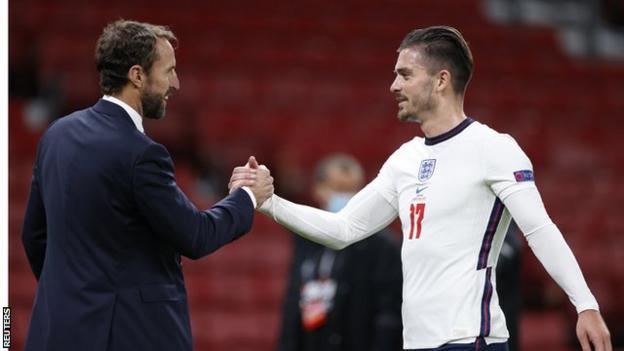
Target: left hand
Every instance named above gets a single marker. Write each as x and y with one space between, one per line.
592 330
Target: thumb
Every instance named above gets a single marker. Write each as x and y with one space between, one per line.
252 163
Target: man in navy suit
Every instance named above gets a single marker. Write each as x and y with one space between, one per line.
106 223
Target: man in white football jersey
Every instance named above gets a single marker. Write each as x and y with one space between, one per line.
455 192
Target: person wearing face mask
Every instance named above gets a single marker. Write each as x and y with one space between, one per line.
348 299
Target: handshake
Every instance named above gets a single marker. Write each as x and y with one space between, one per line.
256 177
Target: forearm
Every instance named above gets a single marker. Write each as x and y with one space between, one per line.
171 214
549 246
555 255
364 215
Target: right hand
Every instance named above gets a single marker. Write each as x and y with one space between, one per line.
591 330
256 177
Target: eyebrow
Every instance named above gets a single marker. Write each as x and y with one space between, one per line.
403 71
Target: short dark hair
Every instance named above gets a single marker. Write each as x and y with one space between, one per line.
344 162
124 44
446 48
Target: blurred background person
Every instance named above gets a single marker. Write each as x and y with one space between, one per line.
347 300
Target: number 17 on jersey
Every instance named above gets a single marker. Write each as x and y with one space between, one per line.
417 212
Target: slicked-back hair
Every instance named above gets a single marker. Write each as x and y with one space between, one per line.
445 48
124 44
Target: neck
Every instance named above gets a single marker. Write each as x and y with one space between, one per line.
442 119
131 98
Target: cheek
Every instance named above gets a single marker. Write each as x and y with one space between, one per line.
159 82
164 82
419 88
160 88
413 91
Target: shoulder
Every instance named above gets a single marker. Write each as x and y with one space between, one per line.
59 129
415 143
492 138
500 151
65 121
406 149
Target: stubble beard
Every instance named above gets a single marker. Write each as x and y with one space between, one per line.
153 105
418 109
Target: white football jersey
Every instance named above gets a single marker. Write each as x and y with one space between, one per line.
451 194
448 192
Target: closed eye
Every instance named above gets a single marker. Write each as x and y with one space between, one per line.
403 72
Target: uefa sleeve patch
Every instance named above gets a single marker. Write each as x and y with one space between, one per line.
525 175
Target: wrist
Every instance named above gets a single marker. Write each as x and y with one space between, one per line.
251 196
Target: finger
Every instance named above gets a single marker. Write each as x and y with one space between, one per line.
597 341
601 339
253 164
605 344
243 176
606 341
239 176
248 182
584 340
241 183
244 182
235 179
244 170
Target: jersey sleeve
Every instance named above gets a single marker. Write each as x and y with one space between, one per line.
549 246
507 167
384 183
365 214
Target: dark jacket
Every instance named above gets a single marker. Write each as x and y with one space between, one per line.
104 230
366 313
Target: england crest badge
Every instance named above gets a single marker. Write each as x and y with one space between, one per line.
426 170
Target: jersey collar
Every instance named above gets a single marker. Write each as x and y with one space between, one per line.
451 133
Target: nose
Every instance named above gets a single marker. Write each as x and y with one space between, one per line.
394 87
175 82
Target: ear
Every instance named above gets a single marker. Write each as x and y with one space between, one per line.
137 76
443 80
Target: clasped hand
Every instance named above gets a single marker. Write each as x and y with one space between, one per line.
257 177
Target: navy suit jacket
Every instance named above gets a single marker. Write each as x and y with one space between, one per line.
104 230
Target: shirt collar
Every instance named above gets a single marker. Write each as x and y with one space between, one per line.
451 133
135 116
